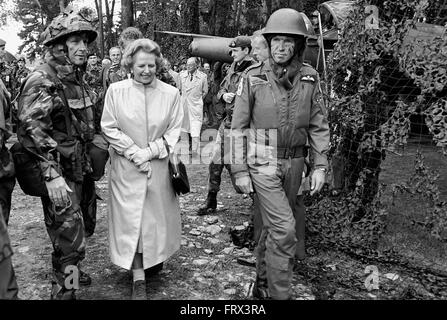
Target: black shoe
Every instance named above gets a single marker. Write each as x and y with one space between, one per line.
60 293
260 292
210 206
139 290
154 270
84 278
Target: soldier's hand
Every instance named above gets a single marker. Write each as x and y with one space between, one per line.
317 181
58 191
244 184
228 97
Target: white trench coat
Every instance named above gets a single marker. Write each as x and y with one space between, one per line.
192 100
140 206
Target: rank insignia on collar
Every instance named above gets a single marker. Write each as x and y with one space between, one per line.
307 78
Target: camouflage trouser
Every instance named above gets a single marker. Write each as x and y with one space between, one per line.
277 193
66 232
8 283
219 161
88 205
6 188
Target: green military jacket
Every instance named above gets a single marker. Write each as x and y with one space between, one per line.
230 84
275 117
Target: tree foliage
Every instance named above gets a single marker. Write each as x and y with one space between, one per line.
35 15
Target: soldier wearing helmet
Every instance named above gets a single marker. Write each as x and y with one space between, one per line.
278 109
6 69
56 128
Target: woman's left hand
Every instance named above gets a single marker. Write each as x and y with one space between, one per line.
142 156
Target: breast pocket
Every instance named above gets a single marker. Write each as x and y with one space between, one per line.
303 104
264 113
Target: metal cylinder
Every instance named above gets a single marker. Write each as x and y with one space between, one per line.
215 49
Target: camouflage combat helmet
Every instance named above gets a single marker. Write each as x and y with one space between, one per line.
286 21
66 24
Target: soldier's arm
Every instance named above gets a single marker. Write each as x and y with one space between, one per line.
223 88
36 103
239 126
318 129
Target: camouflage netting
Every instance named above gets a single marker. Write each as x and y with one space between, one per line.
387 92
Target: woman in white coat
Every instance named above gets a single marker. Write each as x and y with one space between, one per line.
140 116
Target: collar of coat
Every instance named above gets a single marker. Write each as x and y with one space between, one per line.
196 74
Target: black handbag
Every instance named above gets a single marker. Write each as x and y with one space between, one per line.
177 173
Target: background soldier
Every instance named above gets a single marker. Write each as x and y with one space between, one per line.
6 69
282 94
20 73
8 284
93 73
7 177
56 126
240 49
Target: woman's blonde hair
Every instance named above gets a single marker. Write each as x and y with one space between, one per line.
146 45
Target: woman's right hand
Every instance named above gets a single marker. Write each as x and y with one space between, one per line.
58 191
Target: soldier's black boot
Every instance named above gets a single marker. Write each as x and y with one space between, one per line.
60 293
210 206
260 290
84 278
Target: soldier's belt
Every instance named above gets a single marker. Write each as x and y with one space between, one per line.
297 152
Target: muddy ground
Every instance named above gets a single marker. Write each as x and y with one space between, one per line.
206 265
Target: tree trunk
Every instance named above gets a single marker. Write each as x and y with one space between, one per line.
126 13
191 15
110 36
238 16
268 4
98 5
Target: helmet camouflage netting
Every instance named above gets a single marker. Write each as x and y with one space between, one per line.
67 23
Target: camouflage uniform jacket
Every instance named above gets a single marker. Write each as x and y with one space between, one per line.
55 133
6 75
19 76
93 77
295 115
113 74
230 84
